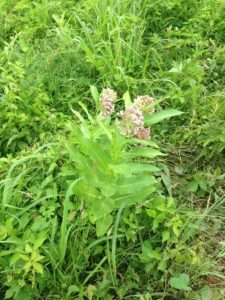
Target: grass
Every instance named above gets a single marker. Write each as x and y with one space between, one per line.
75 221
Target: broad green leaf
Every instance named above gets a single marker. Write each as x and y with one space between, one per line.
14 258
38 267
155 224
134 184
96 153
166 180
134 198
107 189
176 230
76 133
12 240
40 240
165 235
27 266
35 256
148 253
104 128
203 185
103 224
95 95
73 289
143 152
133 168
7 252
91 291
134 141
23 294
181 282
161 217
151 213
192 186
25 257
82 162
127 100
170 202
99 208
40 224
146 246
21 282
11 291
58 20
206 293
161 115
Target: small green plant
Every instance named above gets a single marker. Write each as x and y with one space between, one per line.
114 173
106 197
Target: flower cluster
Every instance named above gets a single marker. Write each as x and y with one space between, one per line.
107 106
131 121
144 103
144 134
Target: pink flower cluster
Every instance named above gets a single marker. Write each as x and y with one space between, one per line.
131 122
107 107
144 133
144 103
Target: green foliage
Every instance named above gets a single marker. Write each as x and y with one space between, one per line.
86 213
161 115
101 158
104 192
180 283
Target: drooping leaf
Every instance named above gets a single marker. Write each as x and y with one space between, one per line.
161 115
143 152
134 141
133 168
